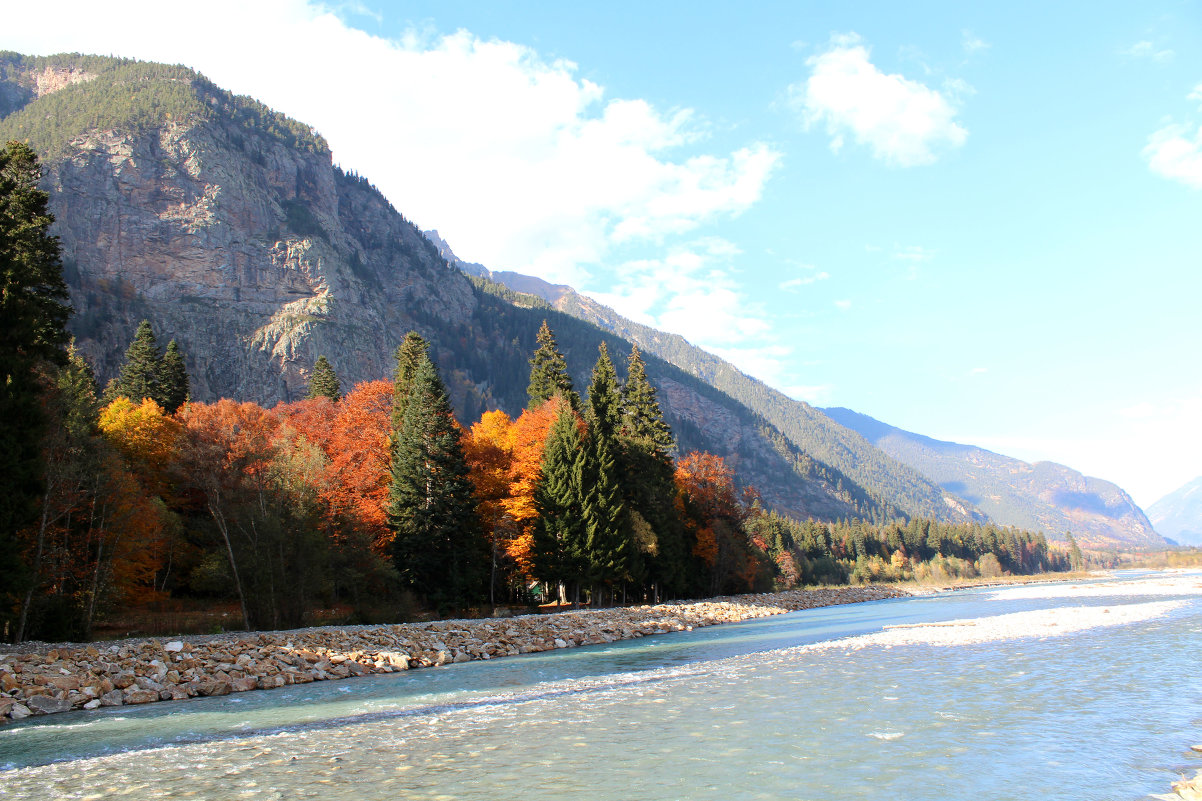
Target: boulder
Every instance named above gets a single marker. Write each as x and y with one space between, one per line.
47 705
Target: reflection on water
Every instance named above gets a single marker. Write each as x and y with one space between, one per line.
731 711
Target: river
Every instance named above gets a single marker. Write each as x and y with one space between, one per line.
817 704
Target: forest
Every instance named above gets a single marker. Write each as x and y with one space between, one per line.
378 502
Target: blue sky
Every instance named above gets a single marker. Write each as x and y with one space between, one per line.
976 222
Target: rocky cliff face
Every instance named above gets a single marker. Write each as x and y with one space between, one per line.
1044 496
230 229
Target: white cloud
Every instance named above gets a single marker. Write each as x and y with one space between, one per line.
978 371
812 275
972 43
516 159
692 291
842 305
815 394
1175 150
903 122
913 253
1147 50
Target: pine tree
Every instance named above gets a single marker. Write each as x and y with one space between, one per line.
607 532
173 379
559 552
140 375
438 549
549 372
642 419
33 314
649 485
409 355
323 381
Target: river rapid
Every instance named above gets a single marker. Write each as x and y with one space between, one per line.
1090 691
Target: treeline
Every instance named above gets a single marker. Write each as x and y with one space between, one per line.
377 499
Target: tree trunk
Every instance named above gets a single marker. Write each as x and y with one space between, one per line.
229 549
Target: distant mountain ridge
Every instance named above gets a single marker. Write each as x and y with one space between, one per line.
1044 496
1178 515
804 426
228 226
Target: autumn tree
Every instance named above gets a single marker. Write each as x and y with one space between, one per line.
488 451
713 514
438 548
323 382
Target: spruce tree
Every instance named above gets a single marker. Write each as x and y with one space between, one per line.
34 309
409 355
549 372
559 551
439 547
607 534
649 484
173 379
140 376
323 381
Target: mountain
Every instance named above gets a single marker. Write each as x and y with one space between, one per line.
802 425
1044 496
228 226
1178 515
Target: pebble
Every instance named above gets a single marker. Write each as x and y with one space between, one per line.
86 677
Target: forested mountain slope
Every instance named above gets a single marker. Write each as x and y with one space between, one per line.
1178 515
804 426
1044 496
230 229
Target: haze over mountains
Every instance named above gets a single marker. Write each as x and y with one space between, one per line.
230 228
1044 496
1178 515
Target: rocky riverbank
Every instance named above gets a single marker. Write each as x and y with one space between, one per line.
58 678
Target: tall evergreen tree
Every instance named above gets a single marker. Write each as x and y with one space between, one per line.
559 549
141 375
549 372
34 309
648 482
607 532
323 381
409 355
173 379
642 419
439 547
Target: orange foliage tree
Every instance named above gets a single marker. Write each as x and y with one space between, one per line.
710 508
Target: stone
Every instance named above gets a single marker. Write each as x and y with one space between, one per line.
214 688
173 647
93 704
47 705
112 698
141 696
244 684
20 711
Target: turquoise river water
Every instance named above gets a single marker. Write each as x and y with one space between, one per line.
735 711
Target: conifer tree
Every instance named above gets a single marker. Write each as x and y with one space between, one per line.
438 549
650 488
323 381
549 372
409 355
559 553
140 376
176 389
603 507
33 314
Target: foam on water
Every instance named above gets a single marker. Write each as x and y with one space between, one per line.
1097 717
